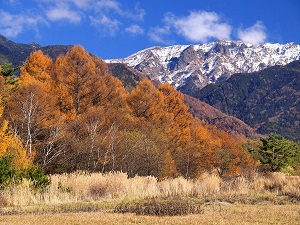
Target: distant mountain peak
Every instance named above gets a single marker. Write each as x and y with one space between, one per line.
35 45
201 64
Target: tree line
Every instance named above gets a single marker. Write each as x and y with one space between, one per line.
72 114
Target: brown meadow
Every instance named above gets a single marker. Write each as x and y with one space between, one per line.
91 198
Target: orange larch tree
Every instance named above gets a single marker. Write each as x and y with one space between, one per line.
37 66
225 155
32 109
146 102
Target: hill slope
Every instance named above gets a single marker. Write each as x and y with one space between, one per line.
268 100
232 125
15 53
129 76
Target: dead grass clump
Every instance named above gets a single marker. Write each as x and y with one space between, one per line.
111 185
98 189
292 189
275 182
84 186
236 186
176 187
21 194
142 187
278 183
95 186
156 207
208 185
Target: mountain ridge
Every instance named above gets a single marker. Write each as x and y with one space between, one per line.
202 64
17 53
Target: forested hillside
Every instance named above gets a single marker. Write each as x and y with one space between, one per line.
72 114
230 124
267 100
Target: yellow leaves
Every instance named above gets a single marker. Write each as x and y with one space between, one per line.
1 107
11 145
181 118
5 140
37 66
3 128
189 145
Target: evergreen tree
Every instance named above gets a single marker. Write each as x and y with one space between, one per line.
275 152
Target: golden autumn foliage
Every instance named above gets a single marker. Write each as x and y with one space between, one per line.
76 74
32 109
224 154
179 118
83 81
146 102
11 145
74 115
37 66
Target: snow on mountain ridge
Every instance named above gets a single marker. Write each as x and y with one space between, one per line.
202 64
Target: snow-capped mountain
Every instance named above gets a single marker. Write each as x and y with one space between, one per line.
208 63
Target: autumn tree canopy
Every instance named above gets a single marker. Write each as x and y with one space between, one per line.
72 114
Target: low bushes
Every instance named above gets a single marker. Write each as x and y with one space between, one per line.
159 207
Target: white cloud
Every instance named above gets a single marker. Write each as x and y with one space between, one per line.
135 30
63 12
200 26
12 25
254 35
137 14
106 6
106 25
107 16
83 4
109 5
158 34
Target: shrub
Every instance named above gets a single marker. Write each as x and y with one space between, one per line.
156 207
37 176
8 172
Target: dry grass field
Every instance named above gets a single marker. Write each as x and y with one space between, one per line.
82 198
213 214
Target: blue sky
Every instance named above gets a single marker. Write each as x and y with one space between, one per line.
118 28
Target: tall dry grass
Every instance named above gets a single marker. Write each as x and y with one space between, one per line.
81 186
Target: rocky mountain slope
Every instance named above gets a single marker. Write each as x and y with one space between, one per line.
195 66
268 100
15 53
